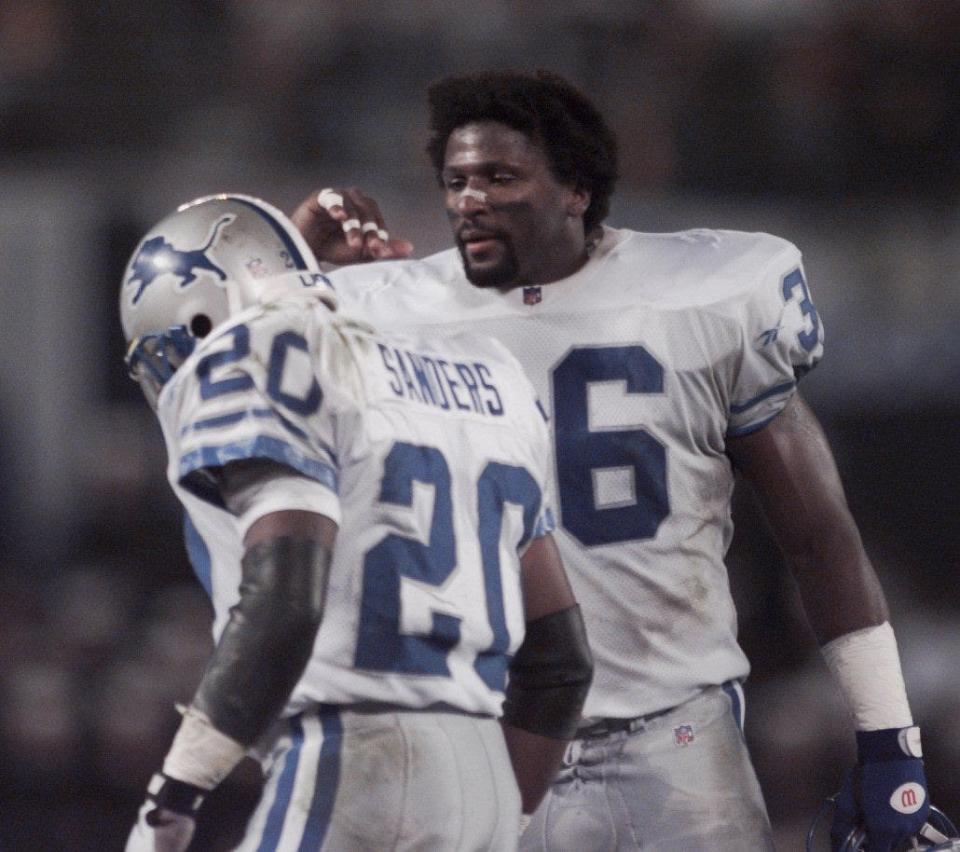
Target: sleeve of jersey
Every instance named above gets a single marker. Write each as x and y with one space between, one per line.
264 405
782 341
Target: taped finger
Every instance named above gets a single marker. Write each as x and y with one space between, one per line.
328 198
351 225
384 235
367 227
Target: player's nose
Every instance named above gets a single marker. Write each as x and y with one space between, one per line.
471 200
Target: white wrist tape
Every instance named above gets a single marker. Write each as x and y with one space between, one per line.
866 666
200 754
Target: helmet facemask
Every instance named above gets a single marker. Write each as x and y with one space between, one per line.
153 359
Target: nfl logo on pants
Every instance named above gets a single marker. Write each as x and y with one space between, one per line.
683 735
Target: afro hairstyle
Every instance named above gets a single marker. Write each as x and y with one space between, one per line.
553 114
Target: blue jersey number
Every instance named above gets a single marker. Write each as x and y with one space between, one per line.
808 339
581 452
381 643
211 387
500 484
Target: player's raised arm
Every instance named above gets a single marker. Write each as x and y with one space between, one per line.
345 226
549 676
791 467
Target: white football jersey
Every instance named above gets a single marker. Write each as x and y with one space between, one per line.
434 458
648 358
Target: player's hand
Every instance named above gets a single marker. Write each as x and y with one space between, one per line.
166 820
344 226
885 793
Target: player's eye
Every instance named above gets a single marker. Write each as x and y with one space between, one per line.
455 184
503 178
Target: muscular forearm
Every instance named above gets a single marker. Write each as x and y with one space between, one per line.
791 468
837 584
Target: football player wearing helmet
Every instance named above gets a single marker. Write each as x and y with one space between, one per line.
668 362
368 515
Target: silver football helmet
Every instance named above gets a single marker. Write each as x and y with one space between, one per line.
205 262
938 833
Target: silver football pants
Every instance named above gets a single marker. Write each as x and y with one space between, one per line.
408 780
681 781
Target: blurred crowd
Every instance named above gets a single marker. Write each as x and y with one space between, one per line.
102 627
820 98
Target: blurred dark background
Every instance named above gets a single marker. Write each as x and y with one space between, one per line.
833 124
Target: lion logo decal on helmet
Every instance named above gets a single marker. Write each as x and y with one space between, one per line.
158 257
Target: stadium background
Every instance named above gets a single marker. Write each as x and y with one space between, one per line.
834 124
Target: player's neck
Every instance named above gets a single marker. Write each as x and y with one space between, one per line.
563 265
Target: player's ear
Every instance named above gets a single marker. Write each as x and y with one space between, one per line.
578 200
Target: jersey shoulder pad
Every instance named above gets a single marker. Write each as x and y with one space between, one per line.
363 277
399 292
388 279
391 275
246 343
705 267
250 390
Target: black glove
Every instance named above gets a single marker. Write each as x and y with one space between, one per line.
167 818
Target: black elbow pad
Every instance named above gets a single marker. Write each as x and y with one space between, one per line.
550 676
268 640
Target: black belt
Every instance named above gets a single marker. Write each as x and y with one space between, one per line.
377 707
607 726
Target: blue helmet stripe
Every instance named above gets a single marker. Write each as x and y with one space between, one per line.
295 254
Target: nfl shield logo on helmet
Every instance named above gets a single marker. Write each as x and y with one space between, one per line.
683 735
532 295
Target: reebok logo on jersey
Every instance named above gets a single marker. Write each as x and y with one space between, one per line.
908 798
